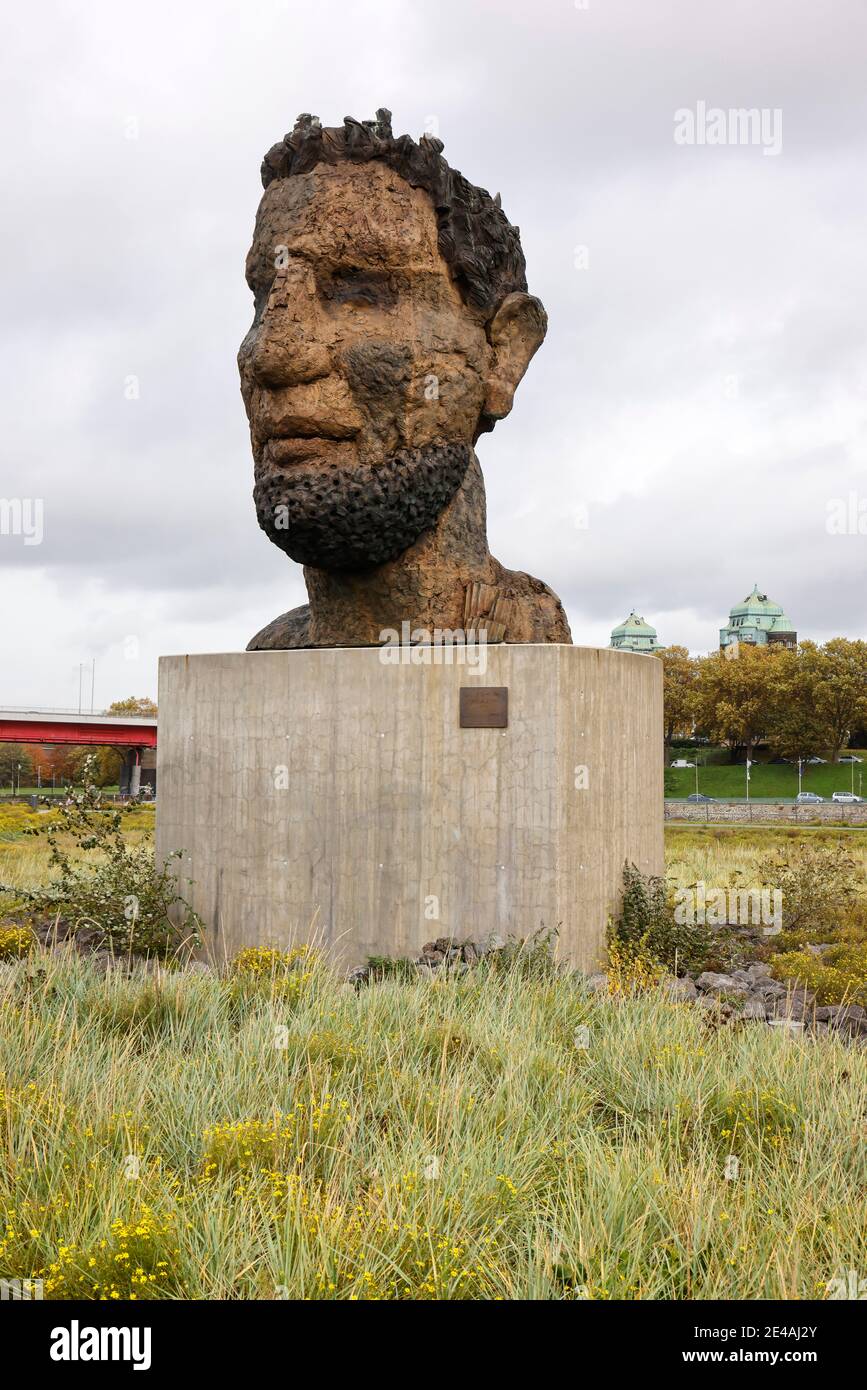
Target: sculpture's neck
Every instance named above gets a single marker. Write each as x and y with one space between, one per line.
424 586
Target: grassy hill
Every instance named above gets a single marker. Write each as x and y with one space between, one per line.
721 779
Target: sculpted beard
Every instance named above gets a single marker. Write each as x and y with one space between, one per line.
352 518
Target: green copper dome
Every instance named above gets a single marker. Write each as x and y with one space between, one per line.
756 605
757 620
635 635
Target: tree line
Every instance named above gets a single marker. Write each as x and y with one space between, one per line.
801 702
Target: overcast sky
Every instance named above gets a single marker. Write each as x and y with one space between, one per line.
700 400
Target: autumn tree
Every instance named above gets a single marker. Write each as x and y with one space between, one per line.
15 756
837 675
136 705
733 704
795 727
680 691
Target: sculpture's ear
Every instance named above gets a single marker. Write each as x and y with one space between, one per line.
515 332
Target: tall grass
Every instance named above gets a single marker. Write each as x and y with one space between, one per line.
495 1136
715 854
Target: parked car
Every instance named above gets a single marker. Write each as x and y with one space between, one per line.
846 796
851 758
808 796
681 762
817 760
700 796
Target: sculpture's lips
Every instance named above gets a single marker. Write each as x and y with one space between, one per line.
286 449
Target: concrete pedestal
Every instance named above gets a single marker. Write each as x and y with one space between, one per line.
328 794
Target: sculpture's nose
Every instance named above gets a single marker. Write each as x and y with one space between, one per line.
291 344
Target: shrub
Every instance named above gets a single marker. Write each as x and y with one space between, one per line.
819 887
134 906
136 1260
646 926
392 968
839 976
15 942
281 1144
267 971
631 968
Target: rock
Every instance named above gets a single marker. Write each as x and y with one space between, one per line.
471 955
819 950
103 961
682 989
359 977
431 956
753 1008
844 1018
758 971
598 982
712 983
492 942
792 1006
770 989
712 1004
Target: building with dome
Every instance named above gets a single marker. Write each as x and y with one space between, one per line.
758 621
635 635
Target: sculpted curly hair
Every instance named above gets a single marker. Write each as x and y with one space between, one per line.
476 239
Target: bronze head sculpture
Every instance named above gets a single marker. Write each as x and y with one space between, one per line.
392 326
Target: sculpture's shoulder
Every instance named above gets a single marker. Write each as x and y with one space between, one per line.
290 630
533 612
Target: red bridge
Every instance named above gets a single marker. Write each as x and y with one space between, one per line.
59 726
132 732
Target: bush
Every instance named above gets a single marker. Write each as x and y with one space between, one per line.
819 887
646 927
258 971
837 977
15 942
133 905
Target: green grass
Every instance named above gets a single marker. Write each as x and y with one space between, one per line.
766 780
442 1140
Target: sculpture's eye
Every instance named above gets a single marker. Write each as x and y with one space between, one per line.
349 285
